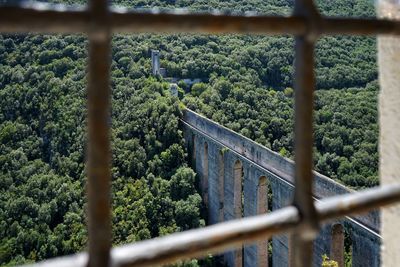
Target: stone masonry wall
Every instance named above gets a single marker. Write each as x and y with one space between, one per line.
217 152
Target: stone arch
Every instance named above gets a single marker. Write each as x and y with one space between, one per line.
337 244
262 208
204 185
238 204
221 176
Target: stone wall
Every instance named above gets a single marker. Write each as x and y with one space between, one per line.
389 122
230 165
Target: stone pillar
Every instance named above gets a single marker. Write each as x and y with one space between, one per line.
282 195
262 208
238 207
389 120
365 248
238 192
205 175
221 177
337 244
251 208
214 188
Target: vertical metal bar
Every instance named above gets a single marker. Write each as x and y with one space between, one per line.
302 239
99 141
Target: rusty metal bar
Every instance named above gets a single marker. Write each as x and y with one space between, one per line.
364 27
219 237
301 241
211 23
357 202
306 24
99 214
44 18
209 240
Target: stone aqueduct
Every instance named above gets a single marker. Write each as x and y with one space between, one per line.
236 176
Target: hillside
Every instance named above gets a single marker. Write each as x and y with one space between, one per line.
246 86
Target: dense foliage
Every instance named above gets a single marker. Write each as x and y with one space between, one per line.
345 124
42 137
246 86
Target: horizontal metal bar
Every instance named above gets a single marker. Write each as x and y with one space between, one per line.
352 26
357 202
219 237
208 240
42 18
45 19
211 23
193 243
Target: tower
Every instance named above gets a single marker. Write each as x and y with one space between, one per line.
155 62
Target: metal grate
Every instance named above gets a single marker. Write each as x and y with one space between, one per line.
302 218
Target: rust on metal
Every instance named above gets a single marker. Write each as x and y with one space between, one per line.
357 26
98 21
301 245
45 18
206 23
42 18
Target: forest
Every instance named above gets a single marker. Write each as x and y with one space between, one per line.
246 86
42 136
